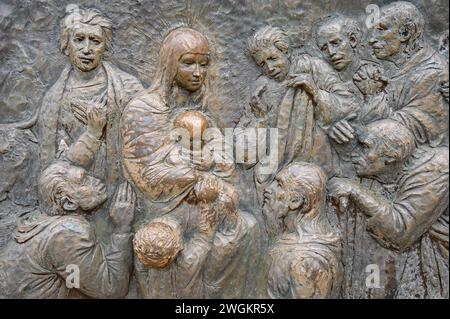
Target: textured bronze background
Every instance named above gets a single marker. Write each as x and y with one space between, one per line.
347 222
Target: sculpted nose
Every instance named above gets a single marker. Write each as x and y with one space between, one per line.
196 73
332 51
328 52
86 48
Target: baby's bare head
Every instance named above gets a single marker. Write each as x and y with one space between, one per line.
194 122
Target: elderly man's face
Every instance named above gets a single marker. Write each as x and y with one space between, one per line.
274 63
88 192
336 46
385 38
86 47
367 158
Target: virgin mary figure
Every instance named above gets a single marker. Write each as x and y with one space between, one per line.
182 83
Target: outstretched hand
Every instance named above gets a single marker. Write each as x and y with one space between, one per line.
340 190
93 115
96 117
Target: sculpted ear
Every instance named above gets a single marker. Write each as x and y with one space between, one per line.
406 31
68 204
353 40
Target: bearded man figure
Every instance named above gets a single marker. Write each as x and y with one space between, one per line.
304 259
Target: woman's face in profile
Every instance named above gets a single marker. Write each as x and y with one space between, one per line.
192 70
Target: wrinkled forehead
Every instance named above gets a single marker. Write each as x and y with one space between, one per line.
87 30
388 17
203 57
368 138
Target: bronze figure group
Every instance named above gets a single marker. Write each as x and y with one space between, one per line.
139 187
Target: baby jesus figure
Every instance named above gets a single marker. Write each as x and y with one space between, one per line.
195 148
190 128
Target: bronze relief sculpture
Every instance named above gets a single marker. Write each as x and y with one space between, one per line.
132 180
